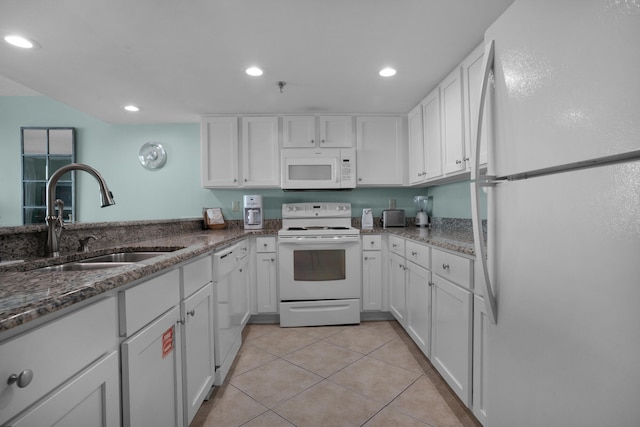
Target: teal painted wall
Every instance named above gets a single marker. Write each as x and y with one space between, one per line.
173 191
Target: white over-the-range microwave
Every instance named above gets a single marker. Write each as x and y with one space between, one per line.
318 168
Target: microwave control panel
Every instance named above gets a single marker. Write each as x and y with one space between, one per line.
347 169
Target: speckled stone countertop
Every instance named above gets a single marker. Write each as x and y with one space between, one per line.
28 293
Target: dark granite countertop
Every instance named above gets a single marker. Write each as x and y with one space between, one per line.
28 293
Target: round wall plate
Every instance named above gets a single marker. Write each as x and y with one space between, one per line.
152 156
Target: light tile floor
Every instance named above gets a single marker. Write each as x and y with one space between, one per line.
369 375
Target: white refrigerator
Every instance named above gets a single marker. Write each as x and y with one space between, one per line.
562 113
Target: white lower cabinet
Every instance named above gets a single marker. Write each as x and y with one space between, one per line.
65 370
451 335
91 399
168 358
480 354
266 284
419 306
397 288
199 365
371 273
152 374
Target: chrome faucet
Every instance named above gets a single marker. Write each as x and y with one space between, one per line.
54 222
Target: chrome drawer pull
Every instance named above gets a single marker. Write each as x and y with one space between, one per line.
22 380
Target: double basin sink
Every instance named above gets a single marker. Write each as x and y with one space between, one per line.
118 259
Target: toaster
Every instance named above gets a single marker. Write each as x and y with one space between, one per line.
393 218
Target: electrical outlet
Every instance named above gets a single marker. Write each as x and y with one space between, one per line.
235 206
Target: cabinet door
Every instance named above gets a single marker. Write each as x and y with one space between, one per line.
240 299
372 280
472 79
480 352
91 399
336 131
298 131
260 152
452 122
266 292
380 153
419 306
416 146
451 335
199 365
219 149
432 135
397 293
152 374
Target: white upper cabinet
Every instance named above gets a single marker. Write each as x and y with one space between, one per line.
260 152
219 151
231 162
472 81
336 131
432 135
298 132
416 146
380 150
454 159
312 132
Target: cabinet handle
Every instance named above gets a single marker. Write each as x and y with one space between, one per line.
431 283
245 180
191 313
22 379
312 141
414 253
235 180
272 260
458 162
445 266
466 159
322 141
394 245
366 258
181 321
359 179
372 243
265 245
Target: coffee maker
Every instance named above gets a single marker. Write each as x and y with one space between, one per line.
252 212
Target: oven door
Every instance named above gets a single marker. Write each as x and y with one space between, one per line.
319 267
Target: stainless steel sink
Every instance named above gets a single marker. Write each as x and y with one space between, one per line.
85 266
117 259
123 257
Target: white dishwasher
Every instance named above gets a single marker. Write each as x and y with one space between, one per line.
231 291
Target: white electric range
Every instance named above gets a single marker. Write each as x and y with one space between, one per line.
319 265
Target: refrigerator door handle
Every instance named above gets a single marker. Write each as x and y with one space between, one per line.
477 183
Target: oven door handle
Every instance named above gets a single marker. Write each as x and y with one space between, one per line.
317 240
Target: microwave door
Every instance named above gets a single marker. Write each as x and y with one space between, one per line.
310 173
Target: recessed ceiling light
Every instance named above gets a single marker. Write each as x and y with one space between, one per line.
20 41
254 71
132 108
387 72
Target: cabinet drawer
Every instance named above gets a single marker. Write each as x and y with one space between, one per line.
372 243
396 245
417 253
54 353
141 304
452 267
196 275
265 244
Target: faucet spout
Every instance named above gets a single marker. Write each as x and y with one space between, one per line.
54 222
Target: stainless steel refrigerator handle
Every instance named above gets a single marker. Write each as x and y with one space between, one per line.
476 187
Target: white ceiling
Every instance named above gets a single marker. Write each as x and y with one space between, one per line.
179 59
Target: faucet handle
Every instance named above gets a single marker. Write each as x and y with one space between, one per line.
83 244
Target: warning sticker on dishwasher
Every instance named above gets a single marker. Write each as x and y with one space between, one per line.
167 342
